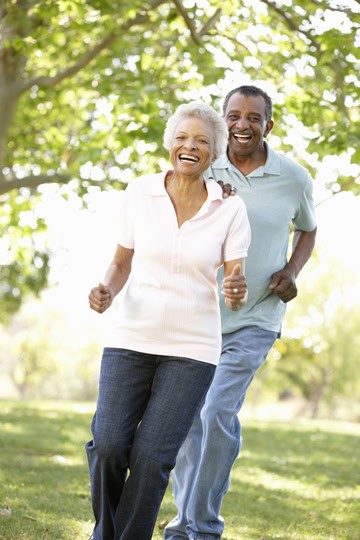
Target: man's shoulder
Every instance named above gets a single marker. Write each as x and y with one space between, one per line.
222 162
287 164
220 169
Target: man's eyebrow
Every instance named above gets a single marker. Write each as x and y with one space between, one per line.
250 113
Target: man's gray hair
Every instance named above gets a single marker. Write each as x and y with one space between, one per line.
201 110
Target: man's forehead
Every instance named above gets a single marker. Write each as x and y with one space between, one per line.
240 101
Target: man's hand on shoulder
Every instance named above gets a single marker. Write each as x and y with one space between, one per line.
228 189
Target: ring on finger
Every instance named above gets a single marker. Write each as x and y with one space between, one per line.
235 291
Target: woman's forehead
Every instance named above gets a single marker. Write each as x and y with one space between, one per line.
193 123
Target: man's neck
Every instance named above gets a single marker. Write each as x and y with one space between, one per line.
248 163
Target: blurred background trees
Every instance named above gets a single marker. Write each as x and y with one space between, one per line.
85 89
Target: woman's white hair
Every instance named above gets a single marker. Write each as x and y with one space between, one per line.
198 109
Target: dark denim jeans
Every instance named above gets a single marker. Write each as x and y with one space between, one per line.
145 408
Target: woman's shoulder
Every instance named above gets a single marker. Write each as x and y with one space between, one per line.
236 203
146 182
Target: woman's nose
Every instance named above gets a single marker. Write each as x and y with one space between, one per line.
191 143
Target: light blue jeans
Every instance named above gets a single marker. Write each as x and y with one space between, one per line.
145 408
201 476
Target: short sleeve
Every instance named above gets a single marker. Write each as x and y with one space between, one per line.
305 219
125 236
239 235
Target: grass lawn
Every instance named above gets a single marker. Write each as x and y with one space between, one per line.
295 480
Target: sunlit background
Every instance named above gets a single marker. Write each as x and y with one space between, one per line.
106 128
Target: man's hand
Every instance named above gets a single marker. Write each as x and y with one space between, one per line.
228 189
234 288
283 284
100 298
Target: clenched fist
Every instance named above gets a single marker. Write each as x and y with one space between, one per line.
100 298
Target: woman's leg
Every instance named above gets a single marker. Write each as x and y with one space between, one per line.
177 392
124 389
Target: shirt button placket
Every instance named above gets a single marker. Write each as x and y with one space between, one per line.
176 252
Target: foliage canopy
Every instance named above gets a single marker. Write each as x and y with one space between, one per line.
85 87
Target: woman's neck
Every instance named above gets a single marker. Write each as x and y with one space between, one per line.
186 194
184 186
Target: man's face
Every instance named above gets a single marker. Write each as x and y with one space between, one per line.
245 118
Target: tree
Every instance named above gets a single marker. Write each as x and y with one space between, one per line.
86 85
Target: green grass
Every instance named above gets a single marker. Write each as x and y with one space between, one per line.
296 480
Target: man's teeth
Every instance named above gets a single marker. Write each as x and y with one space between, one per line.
242 137
187 157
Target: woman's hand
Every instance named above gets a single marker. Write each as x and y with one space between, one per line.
234 288
100 298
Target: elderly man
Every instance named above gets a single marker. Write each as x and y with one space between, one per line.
278 194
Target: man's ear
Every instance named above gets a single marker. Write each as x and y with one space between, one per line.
268 127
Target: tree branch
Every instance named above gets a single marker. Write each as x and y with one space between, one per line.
32 182
188 21
291 24
342 9
140 18
333 63
210 22
196 36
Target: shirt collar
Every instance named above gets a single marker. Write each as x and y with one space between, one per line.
214 190
155 186
272 165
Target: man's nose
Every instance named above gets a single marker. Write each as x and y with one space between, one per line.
242 123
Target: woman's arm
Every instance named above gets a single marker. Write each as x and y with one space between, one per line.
101 297
234 284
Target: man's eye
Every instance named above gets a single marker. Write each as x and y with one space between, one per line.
254 119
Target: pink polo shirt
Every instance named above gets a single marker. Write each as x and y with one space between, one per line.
170 303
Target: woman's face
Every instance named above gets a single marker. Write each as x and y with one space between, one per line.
192 148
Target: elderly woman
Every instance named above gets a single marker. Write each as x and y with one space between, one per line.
160 358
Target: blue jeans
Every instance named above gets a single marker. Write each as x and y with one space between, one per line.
145 408
201 476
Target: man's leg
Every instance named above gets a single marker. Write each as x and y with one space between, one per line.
183 477
200 487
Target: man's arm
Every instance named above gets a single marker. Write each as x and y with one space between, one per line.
283 283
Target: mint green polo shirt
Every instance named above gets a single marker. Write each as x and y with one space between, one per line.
276 195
